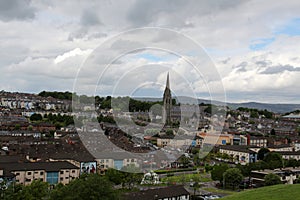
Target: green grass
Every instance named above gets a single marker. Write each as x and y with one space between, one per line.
219 191
164 171
277 192
186 178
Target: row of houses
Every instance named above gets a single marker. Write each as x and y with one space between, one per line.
287 175
51 172
244 154
32 102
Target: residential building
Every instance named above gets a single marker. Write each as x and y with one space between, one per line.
51 172
287 175
116 160
172 141
290 154
255 141
216 139
280 148
239 153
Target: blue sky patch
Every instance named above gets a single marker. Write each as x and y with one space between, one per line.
261 43
150 57
291 28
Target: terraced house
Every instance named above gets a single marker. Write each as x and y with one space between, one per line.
51 172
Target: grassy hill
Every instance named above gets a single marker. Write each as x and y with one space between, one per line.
277 192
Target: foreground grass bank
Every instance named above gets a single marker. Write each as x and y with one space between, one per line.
277 192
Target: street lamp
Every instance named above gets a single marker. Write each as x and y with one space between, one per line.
224 181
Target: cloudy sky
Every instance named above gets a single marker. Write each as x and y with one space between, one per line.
251 47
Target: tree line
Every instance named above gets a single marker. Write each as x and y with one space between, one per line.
91 186
57 119
254 113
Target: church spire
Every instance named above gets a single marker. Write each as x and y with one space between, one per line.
167 100
168 82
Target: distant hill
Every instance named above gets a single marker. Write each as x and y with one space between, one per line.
276 192
277 108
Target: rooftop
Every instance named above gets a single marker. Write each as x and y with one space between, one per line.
241 148
47 166
158 193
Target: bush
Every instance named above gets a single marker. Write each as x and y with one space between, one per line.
233 177
272 179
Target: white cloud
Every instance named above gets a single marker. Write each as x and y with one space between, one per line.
50 39
73 53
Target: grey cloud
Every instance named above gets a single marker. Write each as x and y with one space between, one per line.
280 68
225 61
90 18
97 35
241 67
295 59
125 44
175 12
263 63
16 10
80 33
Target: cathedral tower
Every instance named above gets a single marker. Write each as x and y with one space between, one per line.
167 100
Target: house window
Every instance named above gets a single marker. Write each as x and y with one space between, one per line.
132 160
41 173
73 171
28 173
17 174
52 177
61 172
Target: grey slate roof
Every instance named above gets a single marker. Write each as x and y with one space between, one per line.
47 166
158 193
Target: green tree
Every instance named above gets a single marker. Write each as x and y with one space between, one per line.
272 132
218 171
13 192
169 132
131 175
17 127
233 177
272 179
197 185
262 153
30 127
115 176
274 160
36 190
292 163
36 117
254 114
88 186
184 161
